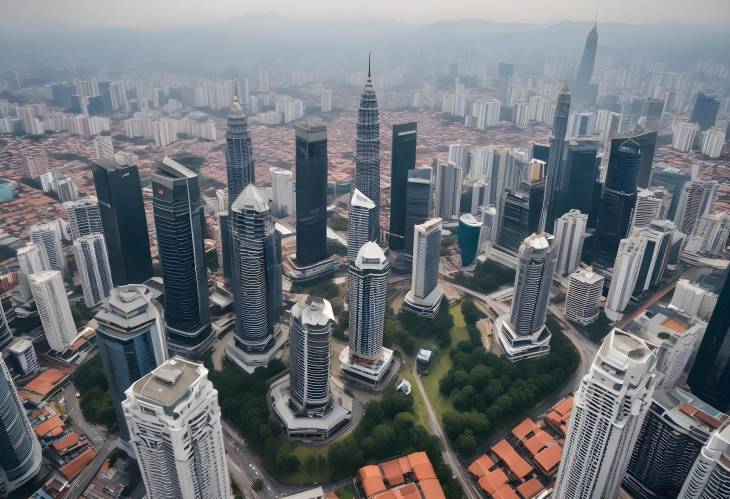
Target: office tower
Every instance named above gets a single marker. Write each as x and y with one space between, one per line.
460 155
255 279
479 195
103 146
24 356
555 161
710 374
311 185
448 188
174 421
683 136
521 210
710 236
178 213
673 180
424 297
704 112
402 161
469 230
48 240
419 193
490 222
53 308
516 163
20 452
367 153
693 300
583 90
580 170
671 437
358 223
62 95
31 260
84 217
570 231
584 294
652 110
698 200
658 236
239 152
326 101
617 201
282 192
6 334
712 141
65 189
131 339
647 148
541 152
710 475
123 219
625 274
523 333
608 410
646 209
224 225
93 264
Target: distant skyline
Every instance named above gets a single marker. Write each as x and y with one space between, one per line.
54 15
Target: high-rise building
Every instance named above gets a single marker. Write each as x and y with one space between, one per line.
174 421
65 189
311 199
673 180
358 223
326 101
693 299
282 192
460 155
647 148
555 164
652 110
523 333
646 209
659 239
47 239
24 356
710 374
255 280
84 217
584 93
710 236
179 219
6 334
53 309
93 264
583 297
710 474
468 233
712 141
704 112
522 209
609 408
424 297
671 437
698 200
240 168
103 146
570 231
683 136
419 193
490 222
367 152
403 160
625 274
123 219
448 188
20 452
579 173
131 340
31 260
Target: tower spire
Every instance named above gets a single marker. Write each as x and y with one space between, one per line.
369 65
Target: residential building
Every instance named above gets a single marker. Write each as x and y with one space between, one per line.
710 474
53 309
570 232
424 297
93 264
583 297
84 217
103 146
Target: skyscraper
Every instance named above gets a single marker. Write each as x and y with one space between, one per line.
367 152
580 171
710 374
131 340
705 110
570 231
174 422
124 222
450 177
710 474
698 200
608 410
31 260
555 165
311 199
84 217
178 213
419 193
239 152
658 236
358 223
93 264
424 297
53 309
20 451
646 209
403 159
468 233
583 297
629 258
583 91
523 333
283 198
47 239
673 180
256 281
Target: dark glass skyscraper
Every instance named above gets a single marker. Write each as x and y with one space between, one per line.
583 91
311 199
555 164
403 159
367 152
705 110
647 146
710 374
131 341
124 222
239 153
579 176
419 192
178 212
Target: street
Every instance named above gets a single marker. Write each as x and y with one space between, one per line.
96 435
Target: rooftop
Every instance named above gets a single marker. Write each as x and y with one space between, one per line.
251 198
313 310
168 383
361 200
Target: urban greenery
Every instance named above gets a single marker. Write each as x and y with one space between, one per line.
487 277
598 329
94 396
438 328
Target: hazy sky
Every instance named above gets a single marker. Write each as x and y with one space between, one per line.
150 13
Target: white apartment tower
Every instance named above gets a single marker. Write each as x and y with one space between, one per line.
709 477
175 427
53 308
282 192
583 297
646 209
326 104
92 261
570 231
103 146
48 240
424 297
448 191
84 217
608 410
31 260
683 136
358 223
625 273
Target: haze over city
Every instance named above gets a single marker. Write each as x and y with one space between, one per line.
380 250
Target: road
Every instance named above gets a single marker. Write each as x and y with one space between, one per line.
84 479
95 434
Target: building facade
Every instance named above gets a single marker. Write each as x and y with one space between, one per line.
403 159
93 264
424 297
84 217
311 199
53 309
358 223
583 298
367 152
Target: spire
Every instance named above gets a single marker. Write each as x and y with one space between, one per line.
235 111
566 88
369 65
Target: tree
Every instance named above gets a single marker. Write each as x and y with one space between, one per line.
466 443
257 485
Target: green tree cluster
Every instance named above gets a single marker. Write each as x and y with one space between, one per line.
487 277
94 397
439 327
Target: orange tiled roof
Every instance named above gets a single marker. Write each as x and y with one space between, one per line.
481 466
393 471
72 469
522 430
537 442
52 426
421 466
505 492
431 489
45 382
493 480
518 466
548 459
371 479
564 407
66 442
530 488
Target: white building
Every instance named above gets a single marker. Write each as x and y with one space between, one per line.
625 273
358 223
459 154
693 300
709 477
282 193
488 232
47 238
570 231
486 112
520 115
175 427
103 146
448 191
84 217
683 136
711 142
65 188
31 260
580 124
583 298
35 166
92 261
646 209
608 410
53 308
23 353
326 101
424 297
